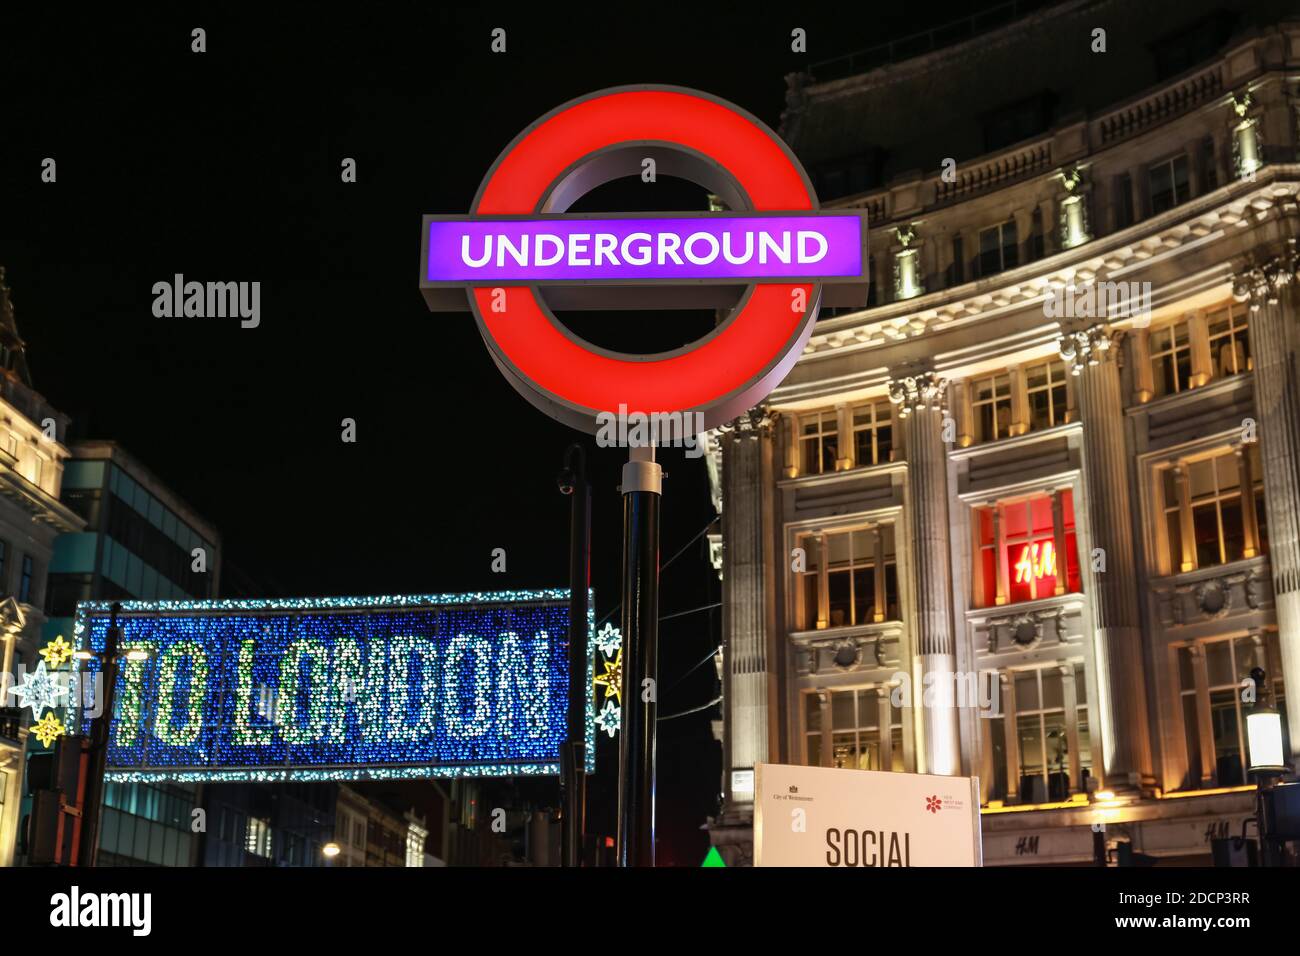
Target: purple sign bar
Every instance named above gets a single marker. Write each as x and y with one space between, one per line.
675 248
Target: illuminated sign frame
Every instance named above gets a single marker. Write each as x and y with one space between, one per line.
411 687
606 136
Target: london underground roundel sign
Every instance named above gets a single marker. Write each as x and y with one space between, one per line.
772 259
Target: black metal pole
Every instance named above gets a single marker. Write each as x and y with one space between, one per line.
93 808
573 778
642 489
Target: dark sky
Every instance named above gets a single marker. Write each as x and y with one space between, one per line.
224 166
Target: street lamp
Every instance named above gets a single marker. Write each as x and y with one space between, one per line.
1264 733
330 851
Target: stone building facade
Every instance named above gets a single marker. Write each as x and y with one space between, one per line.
1058 453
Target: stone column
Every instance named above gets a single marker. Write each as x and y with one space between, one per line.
746 596
1070 698
1011 734
1272 290
919 399
1250 522
1122 708
1058 544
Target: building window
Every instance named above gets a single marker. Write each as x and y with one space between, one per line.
851 578
1206 523
1018 557
998 248
1043 734
1229 341
873 435
415 837
1214 724
1168 184
1123 201
257 837
1171 359
957 271
25 582
991 407
1046 388
818 444
865 732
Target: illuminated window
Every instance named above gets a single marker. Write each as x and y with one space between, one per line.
1220 759
415 837
1045 385
1168 184
991 407
1219 523
257 838
818 445
1171 359
1043 733
852 587
856 738
998 248
1017 541
873 434
1229 341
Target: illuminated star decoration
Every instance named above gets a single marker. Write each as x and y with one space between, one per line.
609 640
38 691
610 718
48 729
57 652
612 679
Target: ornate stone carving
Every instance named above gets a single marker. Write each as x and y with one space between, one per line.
1261 282
847 654
796 98
750 425
1090 346
913 392
1214 598
1254 590
1026 629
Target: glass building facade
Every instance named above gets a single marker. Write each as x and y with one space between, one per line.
140 542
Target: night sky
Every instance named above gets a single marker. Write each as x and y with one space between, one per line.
224 166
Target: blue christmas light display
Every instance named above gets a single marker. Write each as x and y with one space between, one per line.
371 688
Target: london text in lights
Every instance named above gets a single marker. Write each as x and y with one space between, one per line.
338 688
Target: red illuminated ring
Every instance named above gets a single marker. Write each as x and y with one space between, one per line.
720 376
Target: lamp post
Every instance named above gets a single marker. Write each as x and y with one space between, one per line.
573 781
1264 737
93 805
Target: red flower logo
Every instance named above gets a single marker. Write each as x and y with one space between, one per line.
933 804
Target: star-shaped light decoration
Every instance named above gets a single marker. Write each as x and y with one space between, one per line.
48 729
57 652
38 690
612 679
609 640
610 718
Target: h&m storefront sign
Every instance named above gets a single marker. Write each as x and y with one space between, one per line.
822 816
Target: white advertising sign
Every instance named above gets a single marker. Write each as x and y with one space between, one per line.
820 816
